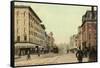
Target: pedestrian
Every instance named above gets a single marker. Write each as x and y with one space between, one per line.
79 55
92 55
38 51
28 55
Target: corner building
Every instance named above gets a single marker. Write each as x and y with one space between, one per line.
29 32
89 29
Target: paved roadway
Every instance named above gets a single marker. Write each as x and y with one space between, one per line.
47 59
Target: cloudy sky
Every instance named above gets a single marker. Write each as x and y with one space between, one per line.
62 20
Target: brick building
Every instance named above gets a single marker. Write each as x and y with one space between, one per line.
89 29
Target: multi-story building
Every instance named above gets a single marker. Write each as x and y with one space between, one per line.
29 32
49 42
51 39
89 30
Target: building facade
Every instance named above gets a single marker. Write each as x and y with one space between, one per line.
89 29
29 32
50 41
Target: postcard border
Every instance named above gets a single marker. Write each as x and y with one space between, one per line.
12 62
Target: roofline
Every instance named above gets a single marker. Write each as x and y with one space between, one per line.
22 6
43 26
86 21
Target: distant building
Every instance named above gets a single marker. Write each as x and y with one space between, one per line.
51 39
73 42
29 32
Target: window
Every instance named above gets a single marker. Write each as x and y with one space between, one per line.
17 31
88 15
31 24
31 40
90 25
17 18
24 31
89 36
31 32
18 38
17 13
17 21
24 13
25 38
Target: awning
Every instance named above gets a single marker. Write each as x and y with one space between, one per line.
25 45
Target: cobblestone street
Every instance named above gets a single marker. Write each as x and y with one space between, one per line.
47 59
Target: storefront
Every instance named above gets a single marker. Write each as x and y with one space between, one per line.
22 49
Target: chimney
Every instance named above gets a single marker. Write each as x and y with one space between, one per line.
92 9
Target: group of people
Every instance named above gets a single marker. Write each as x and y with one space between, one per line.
42 51
29 54
91 55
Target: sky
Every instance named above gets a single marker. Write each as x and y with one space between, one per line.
62 20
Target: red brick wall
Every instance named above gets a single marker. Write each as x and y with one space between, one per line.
89 33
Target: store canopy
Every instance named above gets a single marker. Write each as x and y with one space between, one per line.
25 45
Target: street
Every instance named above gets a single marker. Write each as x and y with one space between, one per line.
47 59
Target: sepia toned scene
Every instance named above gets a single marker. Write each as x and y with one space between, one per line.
54 33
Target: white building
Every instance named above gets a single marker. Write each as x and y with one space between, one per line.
28 30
